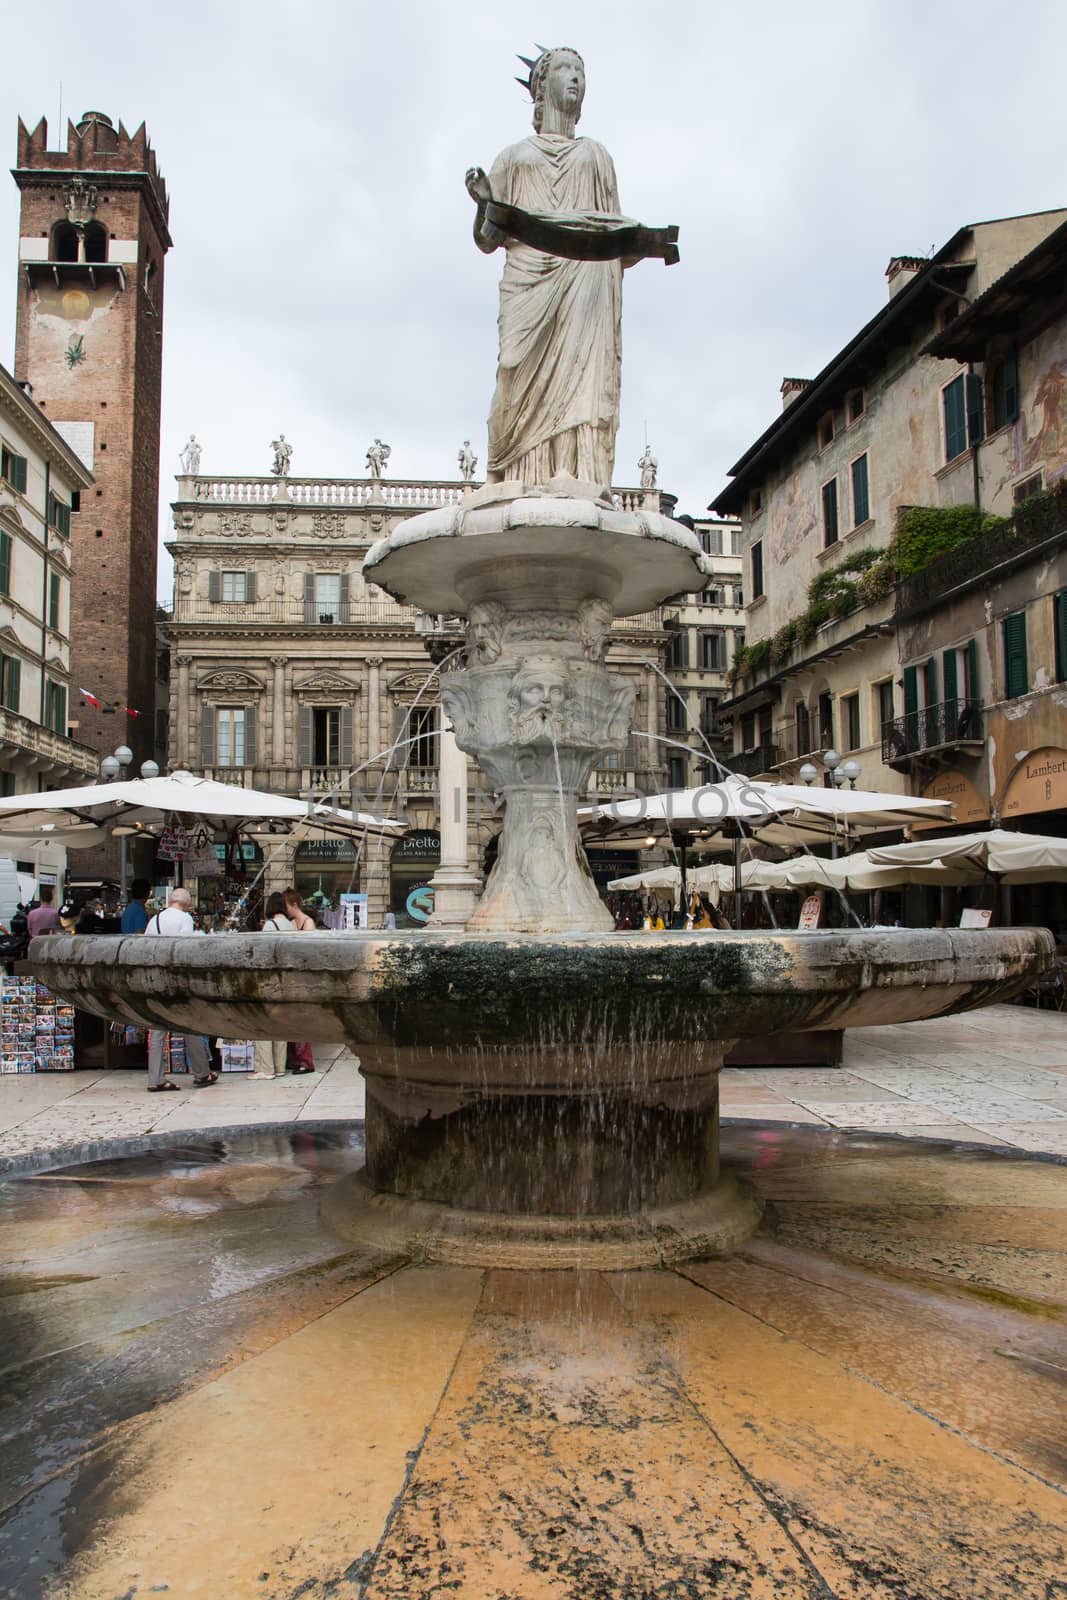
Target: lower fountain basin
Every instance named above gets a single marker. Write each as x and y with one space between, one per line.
536 1099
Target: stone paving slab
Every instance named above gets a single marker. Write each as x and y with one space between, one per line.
997 1076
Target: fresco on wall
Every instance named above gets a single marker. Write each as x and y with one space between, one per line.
792 517
1045 420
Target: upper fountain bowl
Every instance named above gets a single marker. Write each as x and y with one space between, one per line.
449 559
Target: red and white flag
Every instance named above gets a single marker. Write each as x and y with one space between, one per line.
130 712
93 701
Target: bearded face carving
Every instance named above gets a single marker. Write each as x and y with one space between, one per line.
538 701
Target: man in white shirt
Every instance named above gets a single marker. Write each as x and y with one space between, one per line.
172 922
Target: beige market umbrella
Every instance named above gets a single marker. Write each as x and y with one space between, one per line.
1014 858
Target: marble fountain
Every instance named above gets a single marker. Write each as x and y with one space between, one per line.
542 1094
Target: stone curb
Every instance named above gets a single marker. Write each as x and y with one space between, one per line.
28 1161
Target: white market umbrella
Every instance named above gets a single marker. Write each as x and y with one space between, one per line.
144 801
1011 857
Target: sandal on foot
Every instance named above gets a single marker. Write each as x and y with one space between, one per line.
161 1088
205 1083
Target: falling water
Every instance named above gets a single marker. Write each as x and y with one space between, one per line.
562 804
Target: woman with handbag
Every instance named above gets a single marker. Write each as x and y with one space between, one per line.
270 1053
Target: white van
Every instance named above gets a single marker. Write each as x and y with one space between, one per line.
10 889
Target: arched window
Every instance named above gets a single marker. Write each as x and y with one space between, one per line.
95 242
65 242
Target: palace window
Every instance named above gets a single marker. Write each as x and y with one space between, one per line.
53 600
884 693
713 652
1059 617
58 515
230 736
5 563
826 721
55 706
756 561
326 597
1003 383
231 588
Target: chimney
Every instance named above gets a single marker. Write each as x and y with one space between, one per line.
902 269
792 389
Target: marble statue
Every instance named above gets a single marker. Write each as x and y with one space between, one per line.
648 466
468 462
283 454
190 457
377 457
552 202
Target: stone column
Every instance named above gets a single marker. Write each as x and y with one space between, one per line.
181 720
278 757
652 720
456 888
374 709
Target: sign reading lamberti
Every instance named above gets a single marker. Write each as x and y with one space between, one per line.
1039 783
954 786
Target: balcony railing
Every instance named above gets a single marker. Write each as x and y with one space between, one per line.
952 722
970 563
747 763
395 494
45 750
294 613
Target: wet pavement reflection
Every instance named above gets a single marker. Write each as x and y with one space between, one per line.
205 1392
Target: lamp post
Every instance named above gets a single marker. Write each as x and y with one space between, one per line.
836 774
112 767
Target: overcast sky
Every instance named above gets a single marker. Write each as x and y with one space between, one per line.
324 281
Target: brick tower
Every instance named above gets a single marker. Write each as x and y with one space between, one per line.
89 340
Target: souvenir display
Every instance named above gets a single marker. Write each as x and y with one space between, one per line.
36 1028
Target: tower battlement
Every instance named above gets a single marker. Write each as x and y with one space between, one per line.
94 144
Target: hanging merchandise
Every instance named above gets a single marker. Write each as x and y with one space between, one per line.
201 858
173 843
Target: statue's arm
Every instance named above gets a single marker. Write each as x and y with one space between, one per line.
486 236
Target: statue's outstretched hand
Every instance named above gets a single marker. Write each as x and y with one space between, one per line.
478 185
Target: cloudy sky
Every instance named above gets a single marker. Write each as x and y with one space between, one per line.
323 279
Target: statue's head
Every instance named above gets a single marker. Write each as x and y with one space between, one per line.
557 77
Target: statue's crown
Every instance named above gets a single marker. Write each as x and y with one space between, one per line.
530 63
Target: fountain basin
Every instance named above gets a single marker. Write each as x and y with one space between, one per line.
534 1098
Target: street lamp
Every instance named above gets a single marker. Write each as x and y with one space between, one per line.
850 772
808 773
149 769
111 768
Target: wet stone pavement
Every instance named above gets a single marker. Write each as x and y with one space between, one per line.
206 1393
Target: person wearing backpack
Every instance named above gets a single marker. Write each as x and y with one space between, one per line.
173 922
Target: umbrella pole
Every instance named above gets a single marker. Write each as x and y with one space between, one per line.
683 866
737 878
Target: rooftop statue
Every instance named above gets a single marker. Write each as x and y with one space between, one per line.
283 455
552 202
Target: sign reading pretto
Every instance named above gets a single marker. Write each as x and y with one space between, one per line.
957 787
1039 783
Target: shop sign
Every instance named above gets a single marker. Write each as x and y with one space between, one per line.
968 805
423 845
326 850
1039 783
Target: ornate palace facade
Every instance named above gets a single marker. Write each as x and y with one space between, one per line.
290 673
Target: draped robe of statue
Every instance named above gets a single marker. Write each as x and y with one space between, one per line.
556 406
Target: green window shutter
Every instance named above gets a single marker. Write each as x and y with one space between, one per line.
1011 385
1016 675
214 587
861 497
930 681
12 683
948 670
346 756
972 669
911 708
53 600
5 563
251 729
63 518
345 612
1059 614
207 736
829 512
250 588
50 509
975 409
954 402
304 733
61 709
17 477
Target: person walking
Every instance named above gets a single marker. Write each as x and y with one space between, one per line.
270 1053
300 1056
135 914
173 922
44 918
